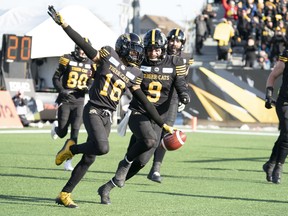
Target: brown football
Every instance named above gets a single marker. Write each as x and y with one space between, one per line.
174 141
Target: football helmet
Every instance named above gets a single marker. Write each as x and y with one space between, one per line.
177 34
129 46
154 38
78 52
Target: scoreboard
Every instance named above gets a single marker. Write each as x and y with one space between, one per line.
16 48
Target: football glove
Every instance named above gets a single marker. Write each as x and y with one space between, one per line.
66 94
269 99
56 16
85 89
184 98
181 107
168 129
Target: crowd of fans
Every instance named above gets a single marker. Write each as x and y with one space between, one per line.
259 29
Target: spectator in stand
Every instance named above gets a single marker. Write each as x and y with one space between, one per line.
20 103
201 31
263 61
230 10
243 25
210 15
278 44
250 53
223 40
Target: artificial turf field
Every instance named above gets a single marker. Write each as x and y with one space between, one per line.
215 174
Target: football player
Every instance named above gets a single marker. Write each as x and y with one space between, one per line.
176 41
274 166
71 80
118 71
162 73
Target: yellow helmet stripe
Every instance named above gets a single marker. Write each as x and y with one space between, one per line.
177 32
153 36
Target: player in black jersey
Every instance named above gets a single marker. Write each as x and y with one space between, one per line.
176 41
274 166
117 70
161 74
71 80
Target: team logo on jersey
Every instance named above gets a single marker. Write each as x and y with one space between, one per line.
156 69
114 61
167 70
80 64
145 68
130 75
73 63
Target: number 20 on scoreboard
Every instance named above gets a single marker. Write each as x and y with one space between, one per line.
16 48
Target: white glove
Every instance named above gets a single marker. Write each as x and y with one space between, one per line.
181 107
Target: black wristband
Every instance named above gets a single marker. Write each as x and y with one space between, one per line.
269 91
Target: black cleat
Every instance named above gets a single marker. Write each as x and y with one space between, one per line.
277 173
103 192
268 169
155 176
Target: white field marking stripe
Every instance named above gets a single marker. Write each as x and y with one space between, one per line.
41 131
179 138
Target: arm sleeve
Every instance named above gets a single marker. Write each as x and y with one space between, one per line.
57 81
78 39
149 107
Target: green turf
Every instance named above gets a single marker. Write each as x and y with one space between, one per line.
213 174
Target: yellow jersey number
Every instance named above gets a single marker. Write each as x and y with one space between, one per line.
76 81
154 90
117 88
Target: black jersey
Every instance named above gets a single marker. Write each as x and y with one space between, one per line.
72 75
113 78
283 93
158 80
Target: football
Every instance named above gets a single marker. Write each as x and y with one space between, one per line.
172 142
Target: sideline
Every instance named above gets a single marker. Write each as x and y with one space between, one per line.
114 130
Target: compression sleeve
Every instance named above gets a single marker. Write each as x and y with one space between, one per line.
149 107
78 39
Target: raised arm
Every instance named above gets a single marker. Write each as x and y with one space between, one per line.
75 36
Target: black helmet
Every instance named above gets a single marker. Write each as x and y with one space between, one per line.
130 42
77 51
178 34
155 39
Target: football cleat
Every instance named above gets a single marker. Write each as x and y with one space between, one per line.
268 169
68 165
103 192
65 152
64 198
155 176
53 130
173 141
277 173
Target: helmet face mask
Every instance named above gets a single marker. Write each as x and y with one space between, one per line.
176 35
79 53
130 47
154 39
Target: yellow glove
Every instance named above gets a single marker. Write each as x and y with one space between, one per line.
168 128
56 16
